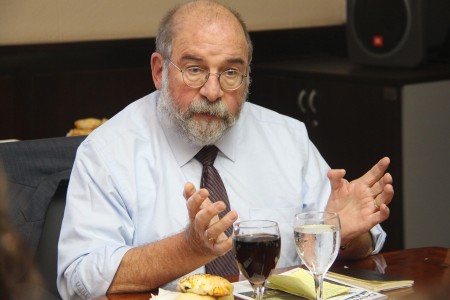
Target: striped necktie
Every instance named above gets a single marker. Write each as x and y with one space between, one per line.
223 265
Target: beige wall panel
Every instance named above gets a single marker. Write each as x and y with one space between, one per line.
47 21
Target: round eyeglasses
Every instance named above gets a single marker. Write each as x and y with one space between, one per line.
196 77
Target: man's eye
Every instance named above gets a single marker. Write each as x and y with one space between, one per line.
194 70
231 73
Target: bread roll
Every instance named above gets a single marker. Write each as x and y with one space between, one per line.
88 123
206 284
85 126
78 132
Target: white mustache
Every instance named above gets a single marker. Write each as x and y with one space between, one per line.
203 106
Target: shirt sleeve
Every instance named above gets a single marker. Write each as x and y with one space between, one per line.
96 229
317 187
378 237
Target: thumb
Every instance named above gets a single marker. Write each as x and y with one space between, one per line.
189 190
335 176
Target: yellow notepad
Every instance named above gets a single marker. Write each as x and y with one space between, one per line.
301 283
377 282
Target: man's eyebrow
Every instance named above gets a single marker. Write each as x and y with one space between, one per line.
236 60
191 57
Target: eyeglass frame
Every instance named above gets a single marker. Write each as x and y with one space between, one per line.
182 71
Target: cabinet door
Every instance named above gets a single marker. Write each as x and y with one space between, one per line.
352 125
61 98
7 109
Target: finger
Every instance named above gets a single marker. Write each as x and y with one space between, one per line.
195 201
205 203
376 172
379 186
211 214
222 247
189 190
217 229
335 176
387 178
209 237
387 190
382 214
207 217
379 216
385 197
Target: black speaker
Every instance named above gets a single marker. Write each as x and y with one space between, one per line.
395 32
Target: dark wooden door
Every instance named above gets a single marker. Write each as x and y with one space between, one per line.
352 124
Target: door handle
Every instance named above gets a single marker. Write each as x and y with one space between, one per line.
311 101
300 98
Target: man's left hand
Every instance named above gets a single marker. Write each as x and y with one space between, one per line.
361 203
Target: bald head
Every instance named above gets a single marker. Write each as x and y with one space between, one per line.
198 15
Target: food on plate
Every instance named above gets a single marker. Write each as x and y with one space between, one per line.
205 287
88 123
78 132
85 126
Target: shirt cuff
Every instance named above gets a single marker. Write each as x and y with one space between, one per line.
378 238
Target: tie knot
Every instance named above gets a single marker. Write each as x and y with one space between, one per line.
207 155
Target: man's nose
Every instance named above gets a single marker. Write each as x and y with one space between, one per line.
212 89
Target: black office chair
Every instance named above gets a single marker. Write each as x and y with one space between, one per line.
47 249
38 172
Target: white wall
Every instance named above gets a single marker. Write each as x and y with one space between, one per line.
426 164
47 21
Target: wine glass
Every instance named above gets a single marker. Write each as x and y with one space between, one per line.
317 238
257 246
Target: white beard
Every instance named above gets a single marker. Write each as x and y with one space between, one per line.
194 131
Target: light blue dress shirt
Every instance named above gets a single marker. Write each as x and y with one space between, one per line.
127 183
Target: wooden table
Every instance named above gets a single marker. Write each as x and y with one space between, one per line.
428 267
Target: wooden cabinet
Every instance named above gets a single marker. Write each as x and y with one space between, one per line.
61 98
342 118
7 107
353 115
48 103
45 88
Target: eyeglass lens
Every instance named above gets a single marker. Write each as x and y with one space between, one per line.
196 77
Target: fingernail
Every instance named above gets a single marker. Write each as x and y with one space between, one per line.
219 206
203 193
233 216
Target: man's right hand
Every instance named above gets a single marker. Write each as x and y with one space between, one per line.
150 266
205 231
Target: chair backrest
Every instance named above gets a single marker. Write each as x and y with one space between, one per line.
38 172
47 249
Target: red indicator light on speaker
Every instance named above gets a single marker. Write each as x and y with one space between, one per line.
378 41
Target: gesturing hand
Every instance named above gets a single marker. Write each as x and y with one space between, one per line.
205 231
361 203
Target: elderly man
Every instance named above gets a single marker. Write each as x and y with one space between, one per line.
130 225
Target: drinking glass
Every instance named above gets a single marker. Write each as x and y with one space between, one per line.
257 246
317 238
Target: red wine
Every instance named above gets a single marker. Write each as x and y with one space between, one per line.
257 255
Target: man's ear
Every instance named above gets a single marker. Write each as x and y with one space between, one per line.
156 64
